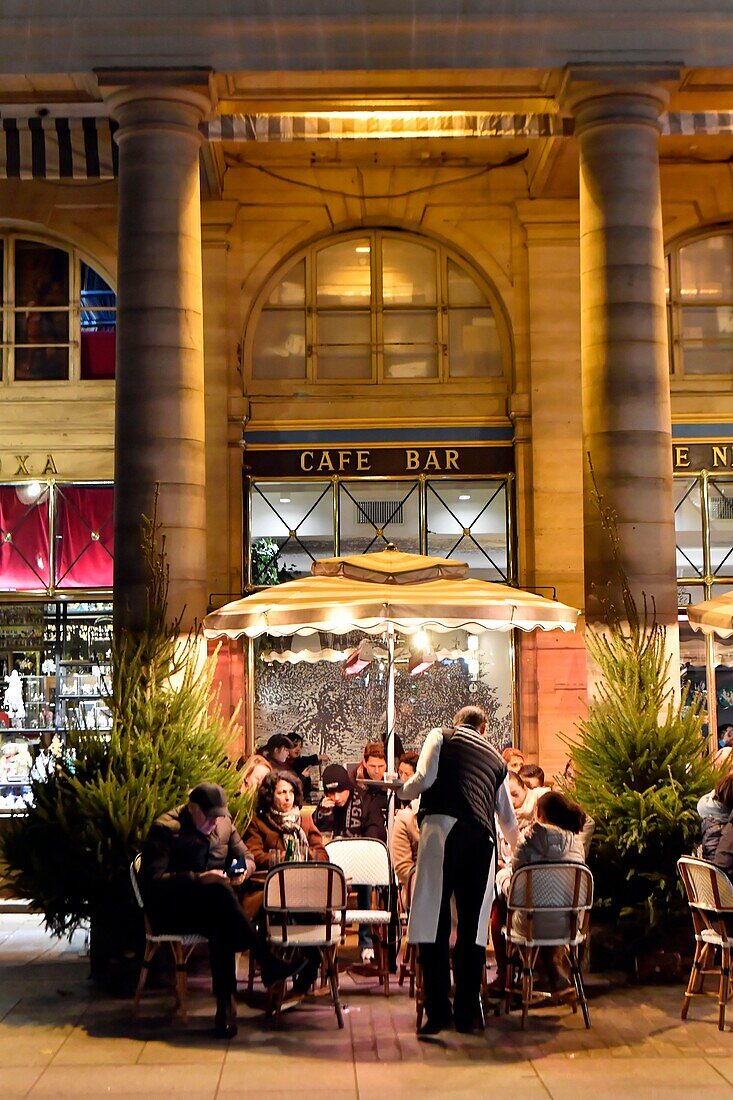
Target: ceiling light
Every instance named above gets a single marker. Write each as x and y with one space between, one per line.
285 500
363 248
465 496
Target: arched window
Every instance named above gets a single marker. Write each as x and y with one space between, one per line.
377 306
58 315
700 306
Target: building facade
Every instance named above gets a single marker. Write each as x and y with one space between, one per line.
369 278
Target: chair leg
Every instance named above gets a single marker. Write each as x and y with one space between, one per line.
384 957
419 992
251 974
578 982
150 951
724 989
696 980
179 957
510 986
412 963
329 959
528 957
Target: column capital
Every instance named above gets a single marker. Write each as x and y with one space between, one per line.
155 99
608 103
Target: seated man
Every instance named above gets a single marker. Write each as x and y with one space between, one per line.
186 888
345 811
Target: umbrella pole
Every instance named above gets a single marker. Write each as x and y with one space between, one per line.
389 739
712 693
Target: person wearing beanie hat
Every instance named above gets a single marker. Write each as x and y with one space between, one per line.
342 811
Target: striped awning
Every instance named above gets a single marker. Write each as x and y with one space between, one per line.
366 125
58 148
84 148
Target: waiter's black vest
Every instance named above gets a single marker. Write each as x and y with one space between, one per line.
470 772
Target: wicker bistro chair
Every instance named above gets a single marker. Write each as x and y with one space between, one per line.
180 943
710 897
548 906
365 862
305 906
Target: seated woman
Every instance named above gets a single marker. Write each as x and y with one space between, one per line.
278 823
279 826
553 838
278 750
405 833
715 809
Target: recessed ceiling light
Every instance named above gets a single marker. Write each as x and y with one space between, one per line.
285 500
465 496
363 248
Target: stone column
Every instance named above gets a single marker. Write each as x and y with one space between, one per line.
625 369
160 425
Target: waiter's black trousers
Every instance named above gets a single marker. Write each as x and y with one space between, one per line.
213 910
469 851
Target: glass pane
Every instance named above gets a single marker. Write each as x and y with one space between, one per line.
408 273
410 345
688 527
706 270
710 359
306 508
709 323
290 291
721 527
98 301
41 364
36 327
474 350
343 274
279 345
24 537
41 275
463 290
368 508
479 507
84 536
344 345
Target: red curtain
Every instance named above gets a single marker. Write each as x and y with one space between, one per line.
84 536
23 539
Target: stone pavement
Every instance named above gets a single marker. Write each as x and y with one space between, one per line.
59 1038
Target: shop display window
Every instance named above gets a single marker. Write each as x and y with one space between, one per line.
58 315
24 538
55 676
84 536
71 526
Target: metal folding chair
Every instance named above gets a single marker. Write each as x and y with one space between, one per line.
181 945
710 897
548 906
305 907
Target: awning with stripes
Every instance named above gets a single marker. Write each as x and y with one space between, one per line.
84 148
58 148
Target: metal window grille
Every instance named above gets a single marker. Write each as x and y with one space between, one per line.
379 512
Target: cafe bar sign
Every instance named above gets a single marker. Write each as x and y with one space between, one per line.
324 462
702 456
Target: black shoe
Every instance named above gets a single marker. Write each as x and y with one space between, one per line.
225 1021
305 979
435 1025
275 970
469 1022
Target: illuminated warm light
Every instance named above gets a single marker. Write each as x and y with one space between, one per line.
465 496
472 642
422 641
285 500
363 248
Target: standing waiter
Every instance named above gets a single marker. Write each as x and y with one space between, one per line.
461 780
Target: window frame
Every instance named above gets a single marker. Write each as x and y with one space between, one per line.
9 311
377 310
676 303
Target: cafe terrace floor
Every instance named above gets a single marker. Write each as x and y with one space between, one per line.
59 1038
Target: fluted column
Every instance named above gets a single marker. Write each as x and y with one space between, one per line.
160 423
625 369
